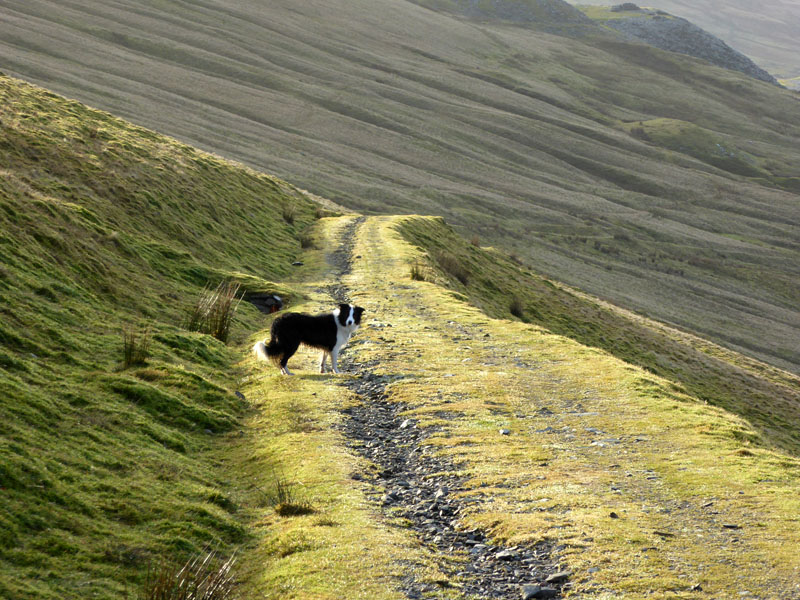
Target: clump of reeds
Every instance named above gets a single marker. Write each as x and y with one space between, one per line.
289 213
306 240
516 307
135 346
417 272
214 310
282 495
452 265
205 576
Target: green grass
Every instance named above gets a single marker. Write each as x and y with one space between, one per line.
768 399
106 467
519 133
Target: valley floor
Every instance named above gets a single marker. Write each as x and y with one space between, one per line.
464 456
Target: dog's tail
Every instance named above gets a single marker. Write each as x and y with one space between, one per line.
271 351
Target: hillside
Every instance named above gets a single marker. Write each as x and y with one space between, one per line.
107 227
651 180
495 433
766 32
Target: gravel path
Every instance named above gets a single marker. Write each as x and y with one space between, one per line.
415 486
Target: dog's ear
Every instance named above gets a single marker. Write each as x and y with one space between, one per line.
344 308
357 311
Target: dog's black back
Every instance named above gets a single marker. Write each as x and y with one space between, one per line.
317 331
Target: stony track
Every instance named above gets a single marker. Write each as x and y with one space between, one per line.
414 487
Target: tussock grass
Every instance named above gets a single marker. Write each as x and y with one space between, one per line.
283 495
516 307
214 310
452 265
135 346
289 213
205 576
417 271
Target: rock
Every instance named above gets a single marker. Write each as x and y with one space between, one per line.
240 395
505 432
405 424
505 555
529 592
297 263
559 577
614 515
390 498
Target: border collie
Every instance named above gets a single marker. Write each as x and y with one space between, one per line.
328 332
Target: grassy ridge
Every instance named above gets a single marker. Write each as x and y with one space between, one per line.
523 137
105 226
767 398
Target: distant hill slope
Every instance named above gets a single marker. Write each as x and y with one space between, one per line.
550 13
766 31
665 185
665 31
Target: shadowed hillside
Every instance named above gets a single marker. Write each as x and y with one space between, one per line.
647 178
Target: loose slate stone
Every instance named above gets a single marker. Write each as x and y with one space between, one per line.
559 577
530 592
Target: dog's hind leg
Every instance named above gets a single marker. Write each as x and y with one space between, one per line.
289 351
322 361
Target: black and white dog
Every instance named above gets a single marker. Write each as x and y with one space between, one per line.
328 332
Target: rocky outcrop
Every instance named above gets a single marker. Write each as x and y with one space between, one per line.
675 34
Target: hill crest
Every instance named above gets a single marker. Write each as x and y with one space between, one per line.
675 34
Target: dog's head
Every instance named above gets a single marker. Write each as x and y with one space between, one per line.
349 315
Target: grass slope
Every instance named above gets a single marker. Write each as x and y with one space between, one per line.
699 497
650 179
103 226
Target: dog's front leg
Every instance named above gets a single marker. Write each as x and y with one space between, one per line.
334 354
